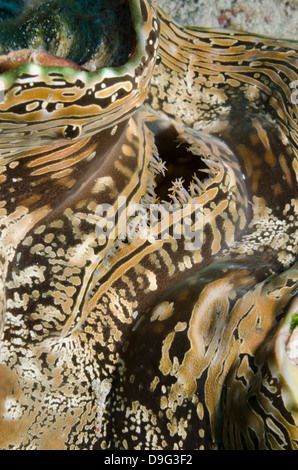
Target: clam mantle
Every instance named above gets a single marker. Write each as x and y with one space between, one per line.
126 342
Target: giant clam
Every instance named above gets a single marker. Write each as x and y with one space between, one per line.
114 336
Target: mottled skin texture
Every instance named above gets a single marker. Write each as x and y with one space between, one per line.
133 344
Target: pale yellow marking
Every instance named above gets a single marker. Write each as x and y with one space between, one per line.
128 150
101 184
162 312
65 163
122 270
52 155
62 174
20 222
168 261
286 170
107 92
154 383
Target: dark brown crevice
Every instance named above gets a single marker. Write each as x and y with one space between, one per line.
180 161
